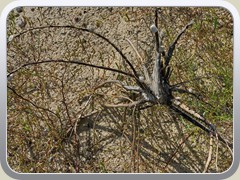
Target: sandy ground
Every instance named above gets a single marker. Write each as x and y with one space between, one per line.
62 93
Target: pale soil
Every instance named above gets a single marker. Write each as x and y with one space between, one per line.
39 141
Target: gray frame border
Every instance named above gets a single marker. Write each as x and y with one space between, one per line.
138 3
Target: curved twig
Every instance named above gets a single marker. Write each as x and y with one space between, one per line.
209 154
85 30
172 46
128 88
134 103
33 104
69 62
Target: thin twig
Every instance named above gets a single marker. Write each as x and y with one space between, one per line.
191 112
172 46
198 124
216 163
109 82
209 154
84 30
197 96
76 124
63 97
119 83
177 149
33 104
135 50
134 103
134 126
157 33
69 62
179 90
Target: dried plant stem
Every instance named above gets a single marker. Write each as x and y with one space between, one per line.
141 59
64 98
157 33
134 127
209 154
216 162
77 124
84 30
78 62
33 104
132 104
177 149
172 46
208 129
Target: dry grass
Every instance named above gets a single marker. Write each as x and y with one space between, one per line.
50 128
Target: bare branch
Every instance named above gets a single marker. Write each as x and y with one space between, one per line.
209 129
157 33
186 91
69 62
197 96
209 154
132 104
156 84
172 46
131 44
85 30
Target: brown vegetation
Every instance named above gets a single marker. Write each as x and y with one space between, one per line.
59 118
